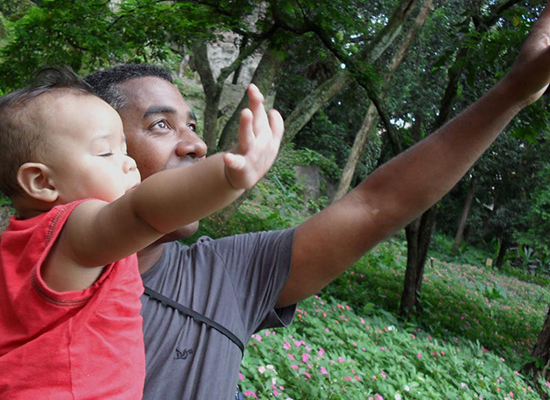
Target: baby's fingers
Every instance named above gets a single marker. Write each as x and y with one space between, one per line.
246 133
256 105
234 161
277 124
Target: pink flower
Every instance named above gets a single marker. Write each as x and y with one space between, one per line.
308 376
305 357
321 351
326 330
324 371
241 376
248 393
341 359
287 346
348 378
294 366
419 355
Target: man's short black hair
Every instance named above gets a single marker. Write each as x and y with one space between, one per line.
21 137
105 82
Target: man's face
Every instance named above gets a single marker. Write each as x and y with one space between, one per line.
160 129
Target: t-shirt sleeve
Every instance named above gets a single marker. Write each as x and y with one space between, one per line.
48 234
259 265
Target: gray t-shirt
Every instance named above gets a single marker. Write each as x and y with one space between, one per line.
234 281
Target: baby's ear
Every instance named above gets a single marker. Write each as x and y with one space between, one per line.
34 179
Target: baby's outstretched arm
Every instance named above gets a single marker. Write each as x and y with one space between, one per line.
98 233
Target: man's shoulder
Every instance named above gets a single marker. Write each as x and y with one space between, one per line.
178 255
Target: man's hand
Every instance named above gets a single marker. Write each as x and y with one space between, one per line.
530 74
259 141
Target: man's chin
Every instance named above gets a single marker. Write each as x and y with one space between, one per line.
182 233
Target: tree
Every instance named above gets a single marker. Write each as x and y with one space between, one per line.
370 120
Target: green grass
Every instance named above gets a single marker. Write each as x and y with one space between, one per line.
503 313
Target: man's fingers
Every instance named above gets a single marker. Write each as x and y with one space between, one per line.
543 21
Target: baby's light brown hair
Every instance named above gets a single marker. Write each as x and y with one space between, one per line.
21 136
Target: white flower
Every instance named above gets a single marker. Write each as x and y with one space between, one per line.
391 328
407 388
397 396
261 369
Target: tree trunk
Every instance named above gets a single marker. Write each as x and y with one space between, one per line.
301 115
415 245
263 77
419 234
355 153
541 351
390 31
212 93
464 216
504 246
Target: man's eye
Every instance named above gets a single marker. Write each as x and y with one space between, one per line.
192 127
162 124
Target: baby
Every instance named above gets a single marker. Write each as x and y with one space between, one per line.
69 283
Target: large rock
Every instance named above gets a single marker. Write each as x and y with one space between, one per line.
314 183
6 212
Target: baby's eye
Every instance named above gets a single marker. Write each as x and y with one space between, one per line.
106 154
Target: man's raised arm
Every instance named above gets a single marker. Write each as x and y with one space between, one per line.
396 193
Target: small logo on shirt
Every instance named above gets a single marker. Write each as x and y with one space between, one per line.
183 354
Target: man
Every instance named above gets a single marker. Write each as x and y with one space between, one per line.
263 275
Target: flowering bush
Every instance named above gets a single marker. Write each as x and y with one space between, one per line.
332 353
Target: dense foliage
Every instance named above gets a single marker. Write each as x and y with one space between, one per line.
345 48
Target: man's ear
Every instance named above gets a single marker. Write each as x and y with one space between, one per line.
34 179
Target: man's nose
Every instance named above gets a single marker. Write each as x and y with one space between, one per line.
190 145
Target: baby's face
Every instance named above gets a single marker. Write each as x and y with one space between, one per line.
86 149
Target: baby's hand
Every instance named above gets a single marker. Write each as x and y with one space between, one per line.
259 141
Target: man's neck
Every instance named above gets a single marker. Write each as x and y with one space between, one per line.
149 256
